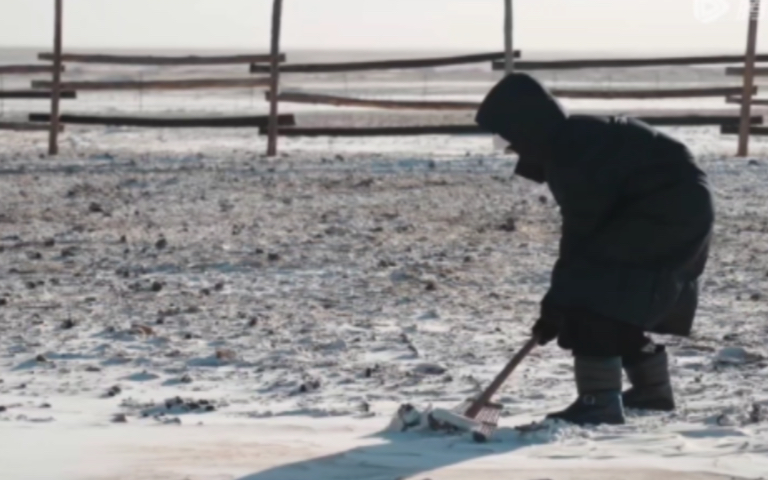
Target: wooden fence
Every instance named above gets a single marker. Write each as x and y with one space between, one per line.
744 121
729 92
286 124
57 88
274 63
28 70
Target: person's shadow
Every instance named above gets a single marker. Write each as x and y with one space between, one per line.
401 456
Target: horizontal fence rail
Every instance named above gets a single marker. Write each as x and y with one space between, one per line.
340 101
26 69
35 94
378 131
313 98
192 84
160 60
27 127
739 71
657 93
382 64
626 62
657 120
696 120
168 122
754 101
733 129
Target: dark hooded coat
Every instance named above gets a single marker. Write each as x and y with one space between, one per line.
637 213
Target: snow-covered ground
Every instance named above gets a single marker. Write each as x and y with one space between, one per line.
175 306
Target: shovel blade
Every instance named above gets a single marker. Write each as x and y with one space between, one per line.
482 426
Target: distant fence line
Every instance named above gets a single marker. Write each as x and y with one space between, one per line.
729 92
287 124
508 66
44 89
275 63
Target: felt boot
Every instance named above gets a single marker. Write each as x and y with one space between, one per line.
651 388
598 382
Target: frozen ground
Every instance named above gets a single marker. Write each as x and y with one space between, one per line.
292 304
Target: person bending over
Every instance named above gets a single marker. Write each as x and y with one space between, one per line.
637 219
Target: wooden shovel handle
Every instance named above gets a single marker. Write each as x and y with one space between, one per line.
491 390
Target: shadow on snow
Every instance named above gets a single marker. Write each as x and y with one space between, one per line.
401 456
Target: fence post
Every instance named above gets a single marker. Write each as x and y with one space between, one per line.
749 75
509 50
277 11
53 138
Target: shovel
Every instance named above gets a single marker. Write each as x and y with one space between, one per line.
479 415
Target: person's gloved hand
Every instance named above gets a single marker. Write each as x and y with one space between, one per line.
548 326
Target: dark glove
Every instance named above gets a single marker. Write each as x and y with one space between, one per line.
548 326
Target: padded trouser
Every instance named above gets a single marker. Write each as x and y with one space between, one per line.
590 335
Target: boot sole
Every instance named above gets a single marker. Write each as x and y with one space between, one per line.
661 403
610 421
650 406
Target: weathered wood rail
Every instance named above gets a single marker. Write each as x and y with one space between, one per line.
260 121
610 94
27 127
627 62
26 69
399 64
166 61
35 94
657 120
754 101
187 84
339 101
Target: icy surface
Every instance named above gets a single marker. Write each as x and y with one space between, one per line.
172 305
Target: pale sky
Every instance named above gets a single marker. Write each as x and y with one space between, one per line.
587 25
